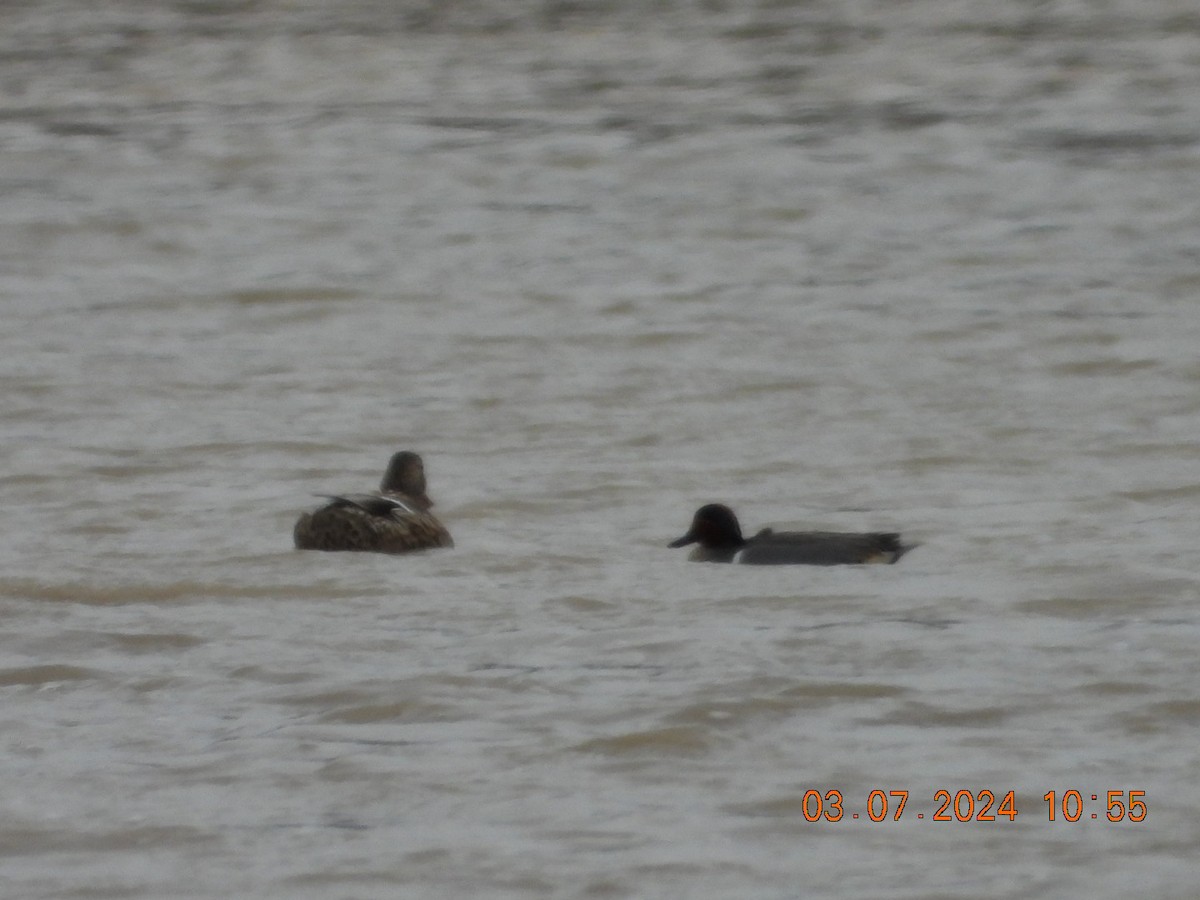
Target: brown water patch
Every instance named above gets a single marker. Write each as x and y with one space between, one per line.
47 674
1106 143
1157 495
1103 604
667 742
595 839
606 887
28 841
778 386
785 807
327 699
920 465
153 643
265 676
1144 450
1094 367
732 713
1116 688
778 704
121 594
585 604
660 338
150 467
29 478
837 691
924 715
1162 718
290 295
95 528
403 711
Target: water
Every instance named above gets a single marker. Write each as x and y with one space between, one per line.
926 266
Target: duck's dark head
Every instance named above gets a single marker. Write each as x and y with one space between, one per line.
406 475
713 526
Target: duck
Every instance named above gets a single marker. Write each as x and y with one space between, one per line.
395 519
719 535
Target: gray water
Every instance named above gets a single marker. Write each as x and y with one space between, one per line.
927 266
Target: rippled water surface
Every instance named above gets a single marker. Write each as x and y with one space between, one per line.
928 266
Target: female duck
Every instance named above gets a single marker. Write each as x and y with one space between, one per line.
715 528
394 520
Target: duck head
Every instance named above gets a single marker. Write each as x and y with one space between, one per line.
406 475
714 527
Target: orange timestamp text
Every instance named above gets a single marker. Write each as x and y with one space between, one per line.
984 805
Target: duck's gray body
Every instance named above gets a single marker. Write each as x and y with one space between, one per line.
716 531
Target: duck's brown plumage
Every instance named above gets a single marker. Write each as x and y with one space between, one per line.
394 520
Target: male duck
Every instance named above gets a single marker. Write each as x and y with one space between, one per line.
715 528
395 520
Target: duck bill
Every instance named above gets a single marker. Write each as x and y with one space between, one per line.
688 538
